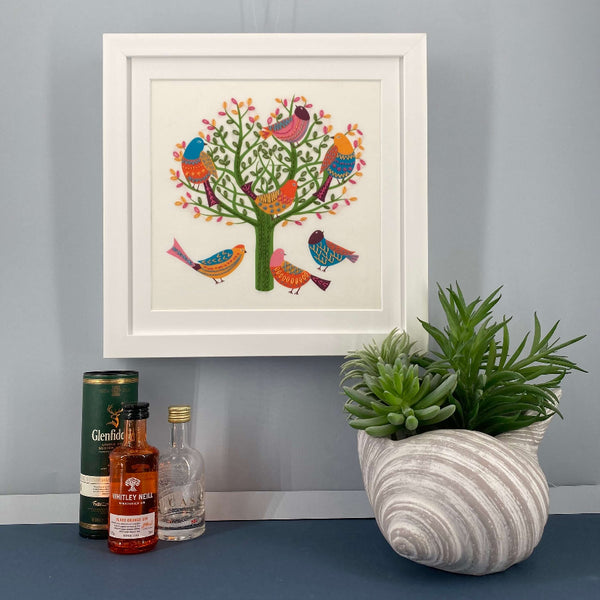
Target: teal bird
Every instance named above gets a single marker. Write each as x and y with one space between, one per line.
327 253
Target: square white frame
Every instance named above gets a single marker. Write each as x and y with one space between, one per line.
403 193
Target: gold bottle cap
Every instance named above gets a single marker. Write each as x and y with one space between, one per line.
180 414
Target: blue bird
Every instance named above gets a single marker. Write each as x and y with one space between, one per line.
327 253
198 167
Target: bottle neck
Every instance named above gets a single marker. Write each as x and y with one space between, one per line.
179 435
135 433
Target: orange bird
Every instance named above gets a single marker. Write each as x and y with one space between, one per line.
217 266
273 203
290 276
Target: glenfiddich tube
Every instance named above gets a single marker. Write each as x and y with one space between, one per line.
104 393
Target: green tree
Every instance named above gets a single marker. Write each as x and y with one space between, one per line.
241 155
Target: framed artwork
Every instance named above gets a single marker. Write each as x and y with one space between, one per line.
263 194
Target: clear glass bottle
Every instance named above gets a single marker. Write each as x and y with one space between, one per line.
180 483
132 504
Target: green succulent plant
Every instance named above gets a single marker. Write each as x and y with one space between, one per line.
471 381
390 398
496 390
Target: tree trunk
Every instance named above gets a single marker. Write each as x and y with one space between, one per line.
264 249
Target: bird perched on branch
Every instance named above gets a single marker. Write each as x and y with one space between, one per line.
291 129
290 276
198 167
327 253
217 266
274 203
338 162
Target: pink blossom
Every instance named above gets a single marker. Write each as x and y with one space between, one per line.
352 181
334 206
347 201
210 128
219 219
251 108
356 143
319 216
358 167
183 144
184 205
208 138
285 102
298 222
362 162
321 113
176 154
325 129
222 113
188 195
234 101
179 184
205 121
308 106
277 110
359 132
196 209
296 98
269 120
349 126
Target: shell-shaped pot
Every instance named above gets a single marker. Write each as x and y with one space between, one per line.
461 501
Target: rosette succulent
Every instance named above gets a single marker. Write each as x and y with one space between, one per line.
390 398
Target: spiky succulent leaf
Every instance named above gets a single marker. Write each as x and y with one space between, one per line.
496 390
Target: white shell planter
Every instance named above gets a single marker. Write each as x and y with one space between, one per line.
457 500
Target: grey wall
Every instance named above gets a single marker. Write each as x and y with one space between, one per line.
514 155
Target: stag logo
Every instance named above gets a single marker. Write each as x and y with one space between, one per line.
133 482
114 414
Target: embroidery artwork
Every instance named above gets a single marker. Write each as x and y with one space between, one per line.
268 184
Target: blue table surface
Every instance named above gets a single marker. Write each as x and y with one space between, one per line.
283 560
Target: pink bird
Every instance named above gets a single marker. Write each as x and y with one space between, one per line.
291 129
291 276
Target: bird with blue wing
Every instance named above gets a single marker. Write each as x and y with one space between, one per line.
217 266
338 163
198 167
326 253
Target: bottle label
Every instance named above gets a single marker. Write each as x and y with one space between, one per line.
131 527
94 487
133 505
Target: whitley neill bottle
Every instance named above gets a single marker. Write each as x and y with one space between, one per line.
104 393
133 500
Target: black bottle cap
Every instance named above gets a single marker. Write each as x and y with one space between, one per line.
135 412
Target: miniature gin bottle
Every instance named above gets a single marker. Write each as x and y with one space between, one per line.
132 504
180 483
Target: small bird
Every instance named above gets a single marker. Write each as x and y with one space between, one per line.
290 276
327 253
338 162
217 266
275 202
198 167
291 129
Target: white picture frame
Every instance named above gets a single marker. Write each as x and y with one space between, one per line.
132 62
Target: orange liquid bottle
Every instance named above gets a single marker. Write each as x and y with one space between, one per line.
133 501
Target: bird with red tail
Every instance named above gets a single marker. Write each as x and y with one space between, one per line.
338 162
291 276
198 167
217 266
327 253
274 203
291 129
